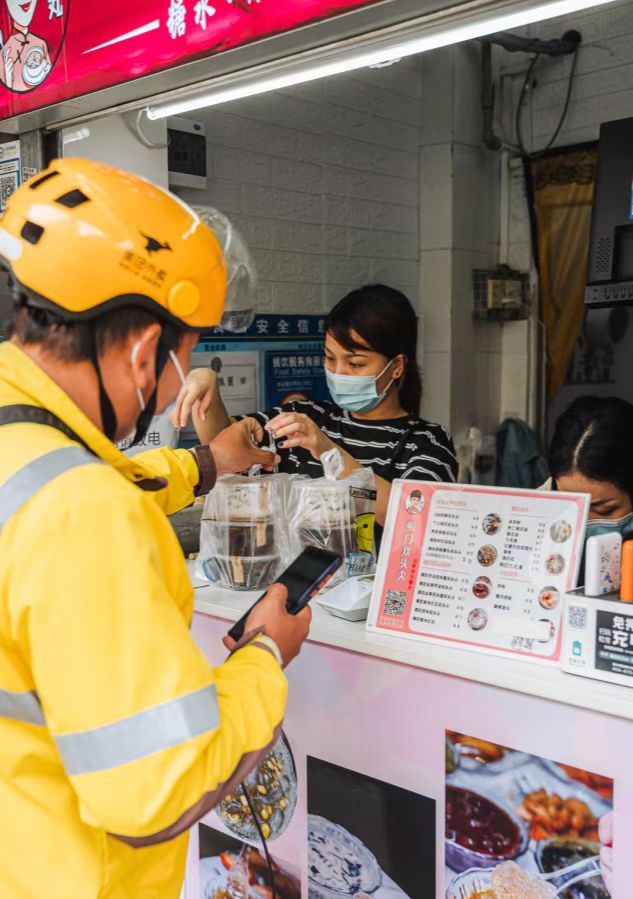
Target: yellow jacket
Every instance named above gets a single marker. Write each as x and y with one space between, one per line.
111 720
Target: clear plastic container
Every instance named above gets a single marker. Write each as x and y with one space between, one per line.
338 516
244 541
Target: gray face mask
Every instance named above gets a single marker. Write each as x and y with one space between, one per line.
599 526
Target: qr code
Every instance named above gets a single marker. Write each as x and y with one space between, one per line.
8 184
395 601
577 617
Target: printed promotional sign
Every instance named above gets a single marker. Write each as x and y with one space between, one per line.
514 820
598 638
53 50
488 567
10 171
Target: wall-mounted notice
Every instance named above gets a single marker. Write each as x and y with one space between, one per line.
486 567
10 173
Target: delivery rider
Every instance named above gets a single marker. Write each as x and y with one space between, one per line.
115 734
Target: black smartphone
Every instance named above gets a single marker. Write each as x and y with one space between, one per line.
303 579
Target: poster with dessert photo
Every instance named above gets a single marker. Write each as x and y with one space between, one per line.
231 869
518 825
367 837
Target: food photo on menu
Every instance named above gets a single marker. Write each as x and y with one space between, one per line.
367 838
519 826
232 869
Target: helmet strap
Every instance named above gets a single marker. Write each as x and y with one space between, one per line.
168 341
108 415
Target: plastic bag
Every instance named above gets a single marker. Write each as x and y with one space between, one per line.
244 536
338 515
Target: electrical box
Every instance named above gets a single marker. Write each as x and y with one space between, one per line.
187 153
610 265
501 294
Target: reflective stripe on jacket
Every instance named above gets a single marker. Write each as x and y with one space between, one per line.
115 734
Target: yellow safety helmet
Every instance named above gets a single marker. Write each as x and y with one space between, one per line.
82 238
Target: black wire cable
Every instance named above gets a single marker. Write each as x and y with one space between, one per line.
519 114
518 126
264 842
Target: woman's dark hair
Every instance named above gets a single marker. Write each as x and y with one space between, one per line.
594 437
385 319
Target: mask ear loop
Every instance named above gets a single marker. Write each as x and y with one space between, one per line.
139 392
166 343
176 362
393 381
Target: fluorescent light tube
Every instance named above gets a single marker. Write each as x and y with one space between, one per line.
71 137
376 52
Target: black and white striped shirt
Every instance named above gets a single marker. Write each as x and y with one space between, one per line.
409 448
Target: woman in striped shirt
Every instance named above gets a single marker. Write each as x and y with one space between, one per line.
374 381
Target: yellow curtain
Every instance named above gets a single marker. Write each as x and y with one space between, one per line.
563 190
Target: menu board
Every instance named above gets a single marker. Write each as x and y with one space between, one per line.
482 566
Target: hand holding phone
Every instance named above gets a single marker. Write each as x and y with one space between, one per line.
270 615
303 579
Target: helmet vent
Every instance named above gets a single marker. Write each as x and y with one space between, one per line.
47 177
31 232
73 199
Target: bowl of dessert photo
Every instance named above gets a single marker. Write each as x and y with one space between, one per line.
339 864
506 881
555 854
272 788
480 833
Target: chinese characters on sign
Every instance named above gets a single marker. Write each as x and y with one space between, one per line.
297 375
55 50
203 10
614 643
484 566
176 24
279 326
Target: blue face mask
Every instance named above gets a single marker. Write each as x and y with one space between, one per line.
598 526
357 393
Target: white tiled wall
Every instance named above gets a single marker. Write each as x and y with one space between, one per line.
322 180
458 233
604 78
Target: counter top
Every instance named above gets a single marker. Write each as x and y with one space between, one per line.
544 681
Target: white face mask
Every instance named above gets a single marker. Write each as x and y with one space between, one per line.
161 423
176 364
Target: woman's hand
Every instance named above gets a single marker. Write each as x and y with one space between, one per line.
196 395
296 429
